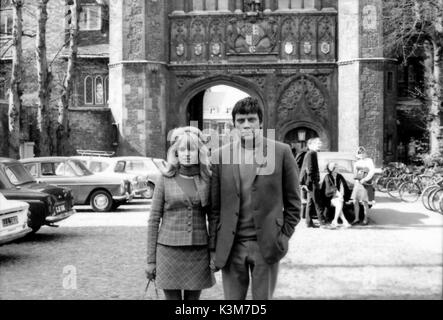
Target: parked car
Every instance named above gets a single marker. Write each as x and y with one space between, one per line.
48 204
142 186
13 220
135 166
102 193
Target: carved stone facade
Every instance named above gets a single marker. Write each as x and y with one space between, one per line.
294 37
284 53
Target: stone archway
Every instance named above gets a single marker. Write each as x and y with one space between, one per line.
192 94
304 103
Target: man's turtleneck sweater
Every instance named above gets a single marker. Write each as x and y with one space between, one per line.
247 167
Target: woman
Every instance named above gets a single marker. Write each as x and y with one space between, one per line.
363 192
336 192
178 254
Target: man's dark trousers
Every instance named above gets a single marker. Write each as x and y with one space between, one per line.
314 201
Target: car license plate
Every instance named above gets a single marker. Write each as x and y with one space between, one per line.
60 209
10 221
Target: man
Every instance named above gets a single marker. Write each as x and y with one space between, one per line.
256 205
310 178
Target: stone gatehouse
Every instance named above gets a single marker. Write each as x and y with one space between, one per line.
316 65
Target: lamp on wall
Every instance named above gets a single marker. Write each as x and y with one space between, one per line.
301 135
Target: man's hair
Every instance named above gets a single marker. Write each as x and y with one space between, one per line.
312 140
248 105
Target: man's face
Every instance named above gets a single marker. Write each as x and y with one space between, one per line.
248 125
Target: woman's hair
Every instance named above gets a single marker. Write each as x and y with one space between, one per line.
196 139
361 152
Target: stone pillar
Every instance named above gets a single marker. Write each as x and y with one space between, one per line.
211 5
296 4
179 7
361 77
268 4
137 76
223 5
238 6
283 4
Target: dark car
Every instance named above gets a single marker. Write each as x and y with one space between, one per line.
48 204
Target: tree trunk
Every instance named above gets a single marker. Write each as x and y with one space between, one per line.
63 121
433 89
44 80
15 93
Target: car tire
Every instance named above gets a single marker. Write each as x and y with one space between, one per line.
101 201
148 194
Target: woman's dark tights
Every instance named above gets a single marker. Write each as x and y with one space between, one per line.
182 294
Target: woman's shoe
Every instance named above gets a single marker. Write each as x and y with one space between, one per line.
355 222
365 222
346 225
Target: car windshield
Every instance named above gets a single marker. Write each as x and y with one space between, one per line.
18 175
342 165
79 168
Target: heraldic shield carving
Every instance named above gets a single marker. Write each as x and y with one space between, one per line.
252 37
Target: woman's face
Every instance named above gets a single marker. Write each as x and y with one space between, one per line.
187 152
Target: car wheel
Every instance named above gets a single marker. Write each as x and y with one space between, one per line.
150 192
101 201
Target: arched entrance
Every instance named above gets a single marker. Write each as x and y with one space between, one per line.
209 102
212 108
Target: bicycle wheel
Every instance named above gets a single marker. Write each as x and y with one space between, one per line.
425 196
436 196
392 188
409 192
441 206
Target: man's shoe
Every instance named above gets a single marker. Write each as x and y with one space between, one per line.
312 225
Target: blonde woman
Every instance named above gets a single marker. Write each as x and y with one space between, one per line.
178 254
363 191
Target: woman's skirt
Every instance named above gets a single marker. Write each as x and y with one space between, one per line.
363 193
183 268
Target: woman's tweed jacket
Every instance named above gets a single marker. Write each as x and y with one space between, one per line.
175 219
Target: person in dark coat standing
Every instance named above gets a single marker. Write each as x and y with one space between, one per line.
256 199
310 177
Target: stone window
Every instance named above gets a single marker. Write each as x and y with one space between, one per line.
91 18
6 23
99 90
297 4
197 5
3 89
390 81
96 90
89 89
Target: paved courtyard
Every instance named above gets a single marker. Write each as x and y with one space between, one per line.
102 256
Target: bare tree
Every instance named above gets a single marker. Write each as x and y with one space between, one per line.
415 28
63 121
15 91
44 82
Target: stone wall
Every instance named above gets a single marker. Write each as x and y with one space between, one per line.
372 109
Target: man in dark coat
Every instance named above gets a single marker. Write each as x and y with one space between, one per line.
310 177
256 200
